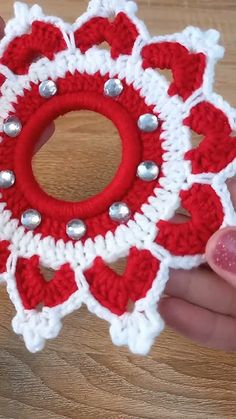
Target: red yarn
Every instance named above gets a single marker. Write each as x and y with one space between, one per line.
44 40
35 290
110 289
120 34
205 118
125 175
115 291
191 237
187 68
217 149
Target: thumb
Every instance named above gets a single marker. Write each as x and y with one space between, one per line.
221 254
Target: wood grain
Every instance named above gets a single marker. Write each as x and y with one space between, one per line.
80 374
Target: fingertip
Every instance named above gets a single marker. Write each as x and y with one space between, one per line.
221 254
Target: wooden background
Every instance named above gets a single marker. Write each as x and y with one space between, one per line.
80 374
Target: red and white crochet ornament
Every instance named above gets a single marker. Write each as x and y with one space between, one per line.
49 68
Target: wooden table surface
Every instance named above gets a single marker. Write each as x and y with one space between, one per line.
81 374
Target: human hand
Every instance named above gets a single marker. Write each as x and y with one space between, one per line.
201 304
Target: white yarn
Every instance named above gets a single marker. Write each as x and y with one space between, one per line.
108 8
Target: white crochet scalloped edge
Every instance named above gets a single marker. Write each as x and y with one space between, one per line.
138 329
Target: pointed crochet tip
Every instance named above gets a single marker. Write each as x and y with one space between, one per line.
208 41
24 11
20 8
110 7
23 17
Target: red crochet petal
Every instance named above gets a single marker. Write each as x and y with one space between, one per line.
205 118
34 289
4 254
140 272
191 237
187 68
115 291
44 40
217 149
120 34
107 287
213 154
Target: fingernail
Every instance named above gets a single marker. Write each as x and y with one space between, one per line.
224 255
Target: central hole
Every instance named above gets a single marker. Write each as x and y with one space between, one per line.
80 159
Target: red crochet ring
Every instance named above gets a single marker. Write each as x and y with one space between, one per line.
35 112
115 191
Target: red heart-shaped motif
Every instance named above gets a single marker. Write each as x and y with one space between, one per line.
115 291
119 34
44 40
187 67
35 290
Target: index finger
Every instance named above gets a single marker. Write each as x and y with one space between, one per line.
199 324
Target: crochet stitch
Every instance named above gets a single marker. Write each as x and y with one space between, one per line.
155 119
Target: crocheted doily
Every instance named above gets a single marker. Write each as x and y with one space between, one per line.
49 68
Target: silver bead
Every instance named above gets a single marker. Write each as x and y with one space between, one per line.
12 126
113 87
7 179
76 229
148 122
31 219
148 171
47 88
120 212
